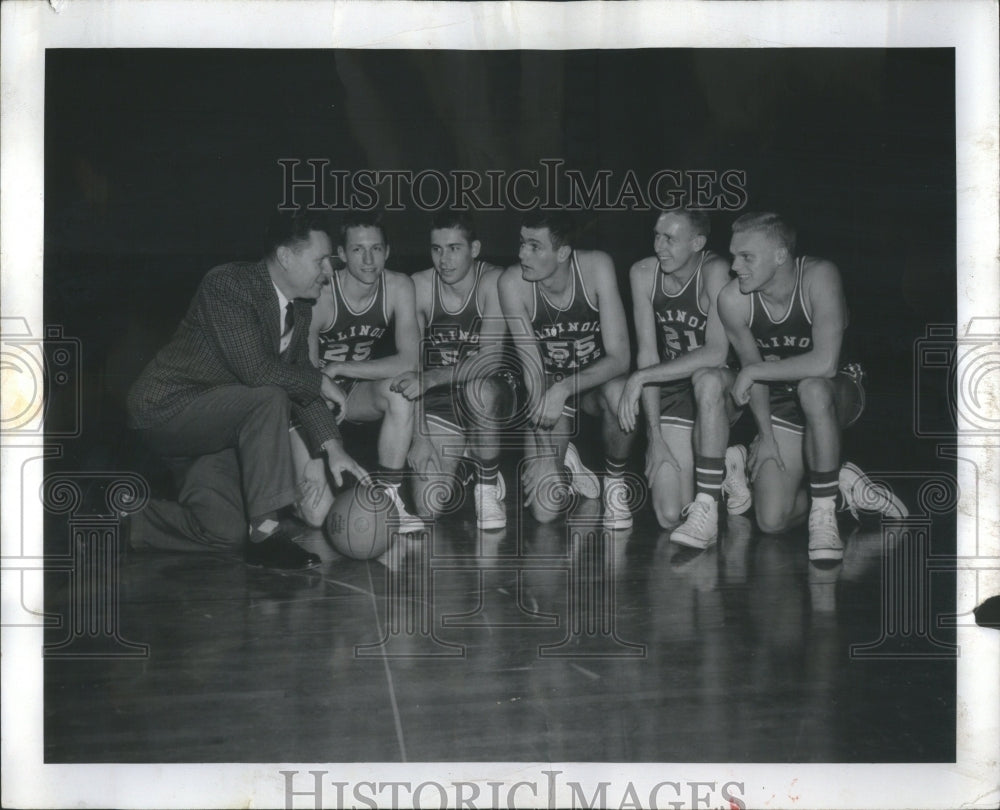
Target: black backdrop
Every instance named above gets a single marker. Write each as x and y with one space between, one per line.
161 163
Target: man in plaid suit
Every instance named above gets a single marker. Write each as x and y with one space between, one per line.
216 403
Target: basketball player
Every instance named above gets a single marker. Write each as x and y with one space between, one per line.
363 303
679 333
565 314
786 317
458 313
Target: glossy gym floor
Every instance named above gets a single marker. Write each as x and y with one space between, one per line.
549 643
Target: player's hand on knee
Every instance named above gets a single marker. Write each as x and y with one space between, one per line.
628 405
339 462
335 398
762 451
423 457
409 384
658 454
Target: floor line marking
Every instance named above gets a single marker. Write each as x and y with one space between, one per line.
592 675
388 675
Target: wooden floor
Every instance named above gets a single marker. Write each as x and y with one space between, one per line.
554 643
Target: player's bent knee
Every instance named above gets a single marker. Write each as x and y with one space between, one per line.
816 394
666 505
709 386
543 515
393 402
771 520
611 394
667 516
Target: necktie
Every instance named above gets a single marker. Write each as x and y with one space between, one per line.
289 318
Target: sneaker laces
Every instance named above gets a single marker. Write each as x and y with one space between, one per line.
822 518
697 514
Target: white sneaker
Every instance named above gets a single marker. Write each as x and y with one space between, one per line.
701 528
408 523
824 537
734 485
490 511
616 511
860 492
581 480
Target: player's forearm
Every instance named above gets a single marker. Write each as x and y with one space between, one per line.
380 369
436 377
811 364
650 401
607 368
760 407
682 367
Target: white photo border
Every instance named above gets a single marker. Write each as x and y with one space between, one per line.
28 28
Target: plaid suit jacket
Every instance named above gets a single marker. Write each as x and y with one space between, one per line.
230 336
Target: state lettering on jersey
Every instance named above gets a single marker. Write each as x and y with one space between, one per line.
448 343
680 331
352 344
556 329
564 355
784 342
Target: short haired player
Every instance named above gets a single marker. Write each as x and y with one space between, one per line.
785 316
363 303
567 321
679 334
460 399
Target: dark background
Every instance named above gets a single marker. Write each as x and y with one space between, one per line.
160 164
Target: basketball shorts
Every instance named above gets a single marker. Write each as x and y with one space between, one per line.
347 385
457 408
677 405
786 412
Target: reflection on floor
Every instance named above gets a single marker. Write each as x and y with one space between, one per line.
545 643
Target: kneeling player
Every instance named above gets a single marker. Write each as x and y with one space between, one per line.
565 314
360 305
458 312
785 317
679 332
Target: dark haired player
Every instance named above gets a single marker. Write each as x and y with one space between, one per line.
362 304
216 402
458 312
679 333
786 317
565 315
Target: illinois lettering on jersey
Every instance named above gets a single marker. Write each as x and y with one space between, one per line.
451 336
569 339
680 320
353 335
787 336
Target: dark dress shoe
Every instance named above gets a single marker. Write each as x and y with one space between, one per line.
279 551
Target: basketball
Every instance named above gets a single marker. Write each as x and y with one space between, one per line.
357 524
